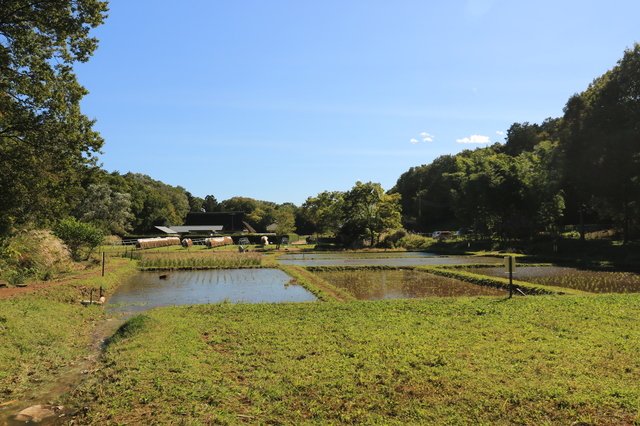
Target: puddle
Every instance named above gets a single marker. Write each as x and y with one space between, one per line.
148 290
594 281
380 258
399 284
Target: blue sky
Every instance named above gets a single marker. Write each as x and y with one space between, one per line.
280 100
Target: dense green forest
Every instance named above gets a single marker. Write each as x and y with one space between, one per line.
583 167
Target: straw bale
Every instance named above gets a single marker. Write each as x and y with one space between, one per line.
218 241
145 243
186 243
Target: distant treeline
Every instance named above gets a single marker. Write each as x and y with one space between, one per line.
581 167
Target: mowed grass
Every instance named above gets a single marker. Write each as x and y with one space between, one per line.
544 360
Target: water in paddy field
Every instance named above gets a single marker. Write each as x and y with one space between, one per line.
403 284
380 258
148 290
594 281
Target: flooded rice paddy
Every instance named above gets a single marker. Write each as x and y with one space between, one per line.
380 258
594 281
147 290
403 284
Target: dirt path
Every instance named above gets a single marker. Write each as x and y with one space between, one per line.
12 291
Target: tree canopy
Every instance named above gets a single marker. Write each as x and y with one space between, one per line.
47 145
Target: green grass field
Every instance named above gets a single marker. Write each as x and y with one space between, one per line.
536 360
544 360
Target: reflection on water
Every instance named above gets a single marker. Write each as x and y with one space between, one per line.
147 290
399 284
380 258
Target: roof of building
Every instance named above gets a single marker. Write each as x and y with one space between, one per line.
190 229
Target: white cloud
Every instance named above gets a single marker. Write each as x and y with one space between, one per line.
426 137
475 139
500 133
414 141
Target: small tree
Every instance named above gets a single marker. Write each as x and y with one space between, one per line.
79 237
367 211
285 222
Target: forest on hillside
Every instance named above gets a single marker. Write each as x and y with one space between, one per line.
583 167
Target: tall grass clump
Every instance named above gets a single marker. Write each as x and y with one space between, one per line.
33 255
199 260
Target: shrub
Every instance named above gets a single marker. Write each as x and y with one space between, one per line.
414 242
81 238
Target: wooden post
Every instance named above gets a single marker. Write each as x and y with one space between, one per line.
103 264
510 265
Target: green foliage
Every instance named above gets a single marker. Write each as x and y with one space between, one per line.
211 204
414 242
515 196
196 204
425 191
153 203
285 221
527 361
323 211
367 211
47 145
600 143
81 238
108 210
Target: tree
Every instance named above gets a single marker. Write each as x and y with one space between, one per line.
81 238
514 196
323 211
108 210
285 221
196 204
601 141
426 194
211 204
46 143
258 214
367 211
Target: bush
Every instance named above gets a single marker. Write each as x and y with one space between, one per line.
81 238
414 242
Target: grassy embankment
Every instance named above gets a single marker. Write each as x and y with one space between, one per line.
534 361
